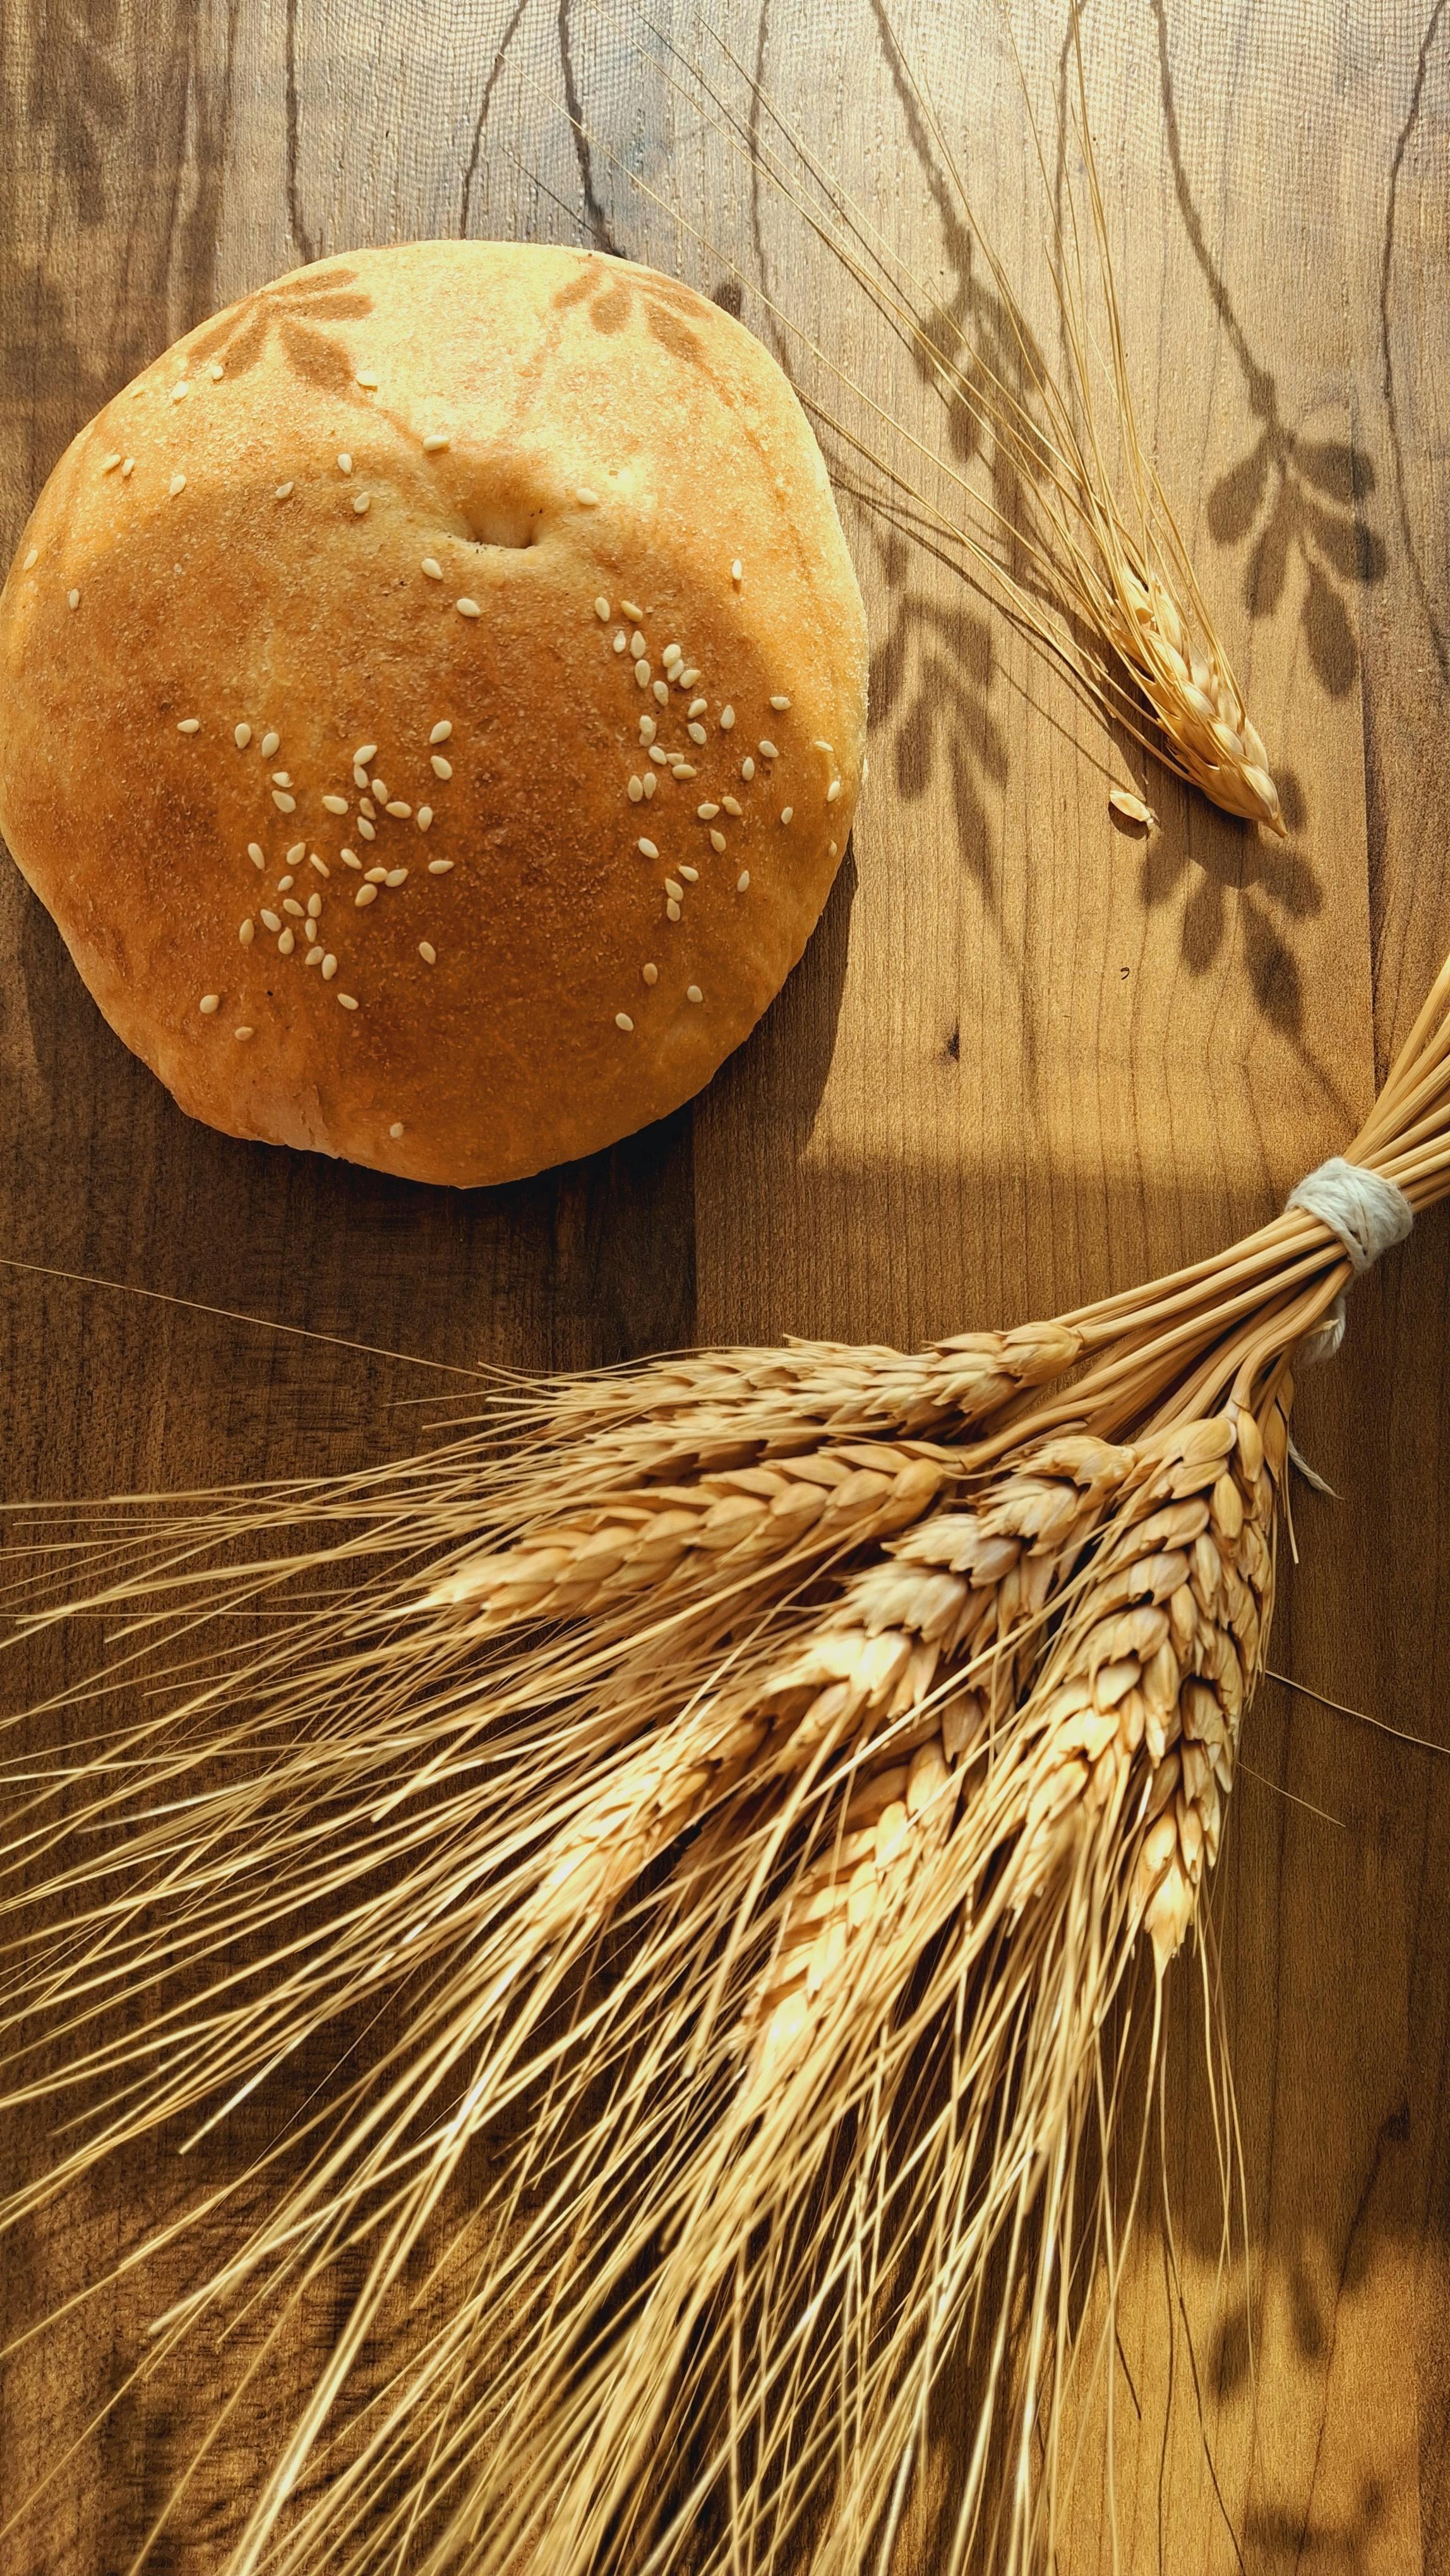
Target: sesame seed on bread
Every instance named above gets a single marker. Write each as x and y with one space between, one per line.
432 705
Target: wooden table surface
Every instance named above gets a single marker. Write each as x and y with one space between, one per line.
1027 1057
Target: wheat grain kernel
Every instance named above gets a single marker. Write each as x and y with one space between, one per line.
1132 808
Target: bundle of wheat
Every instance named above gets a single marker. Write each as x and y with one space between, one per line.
736 1787
1075 534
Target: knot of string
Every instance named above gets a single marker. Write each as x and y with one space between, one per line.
1368 1213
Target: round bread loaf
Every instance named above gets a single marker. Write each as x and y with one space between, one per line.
432 705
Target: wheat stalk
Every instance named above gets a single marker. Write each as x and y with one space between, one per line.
751 1782
1081 505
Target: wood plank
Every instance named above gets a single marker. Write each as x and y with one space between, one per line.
149 185
1024 1059
1392 149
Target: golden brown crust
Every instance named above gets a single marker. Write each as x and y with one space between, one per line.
210 601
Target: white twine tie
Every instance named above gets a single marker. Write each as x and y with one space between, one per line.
1368 1213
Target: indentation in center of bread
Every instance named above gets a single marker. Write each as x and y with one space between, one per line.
501 499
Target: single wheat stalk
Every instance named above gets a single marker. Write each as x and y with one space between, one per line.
755 1797
1105 581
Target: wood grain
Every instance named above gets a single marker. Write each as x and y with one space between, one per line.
1025 1058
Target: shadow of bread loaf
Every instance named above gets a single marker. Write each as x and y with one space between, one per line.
434 705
